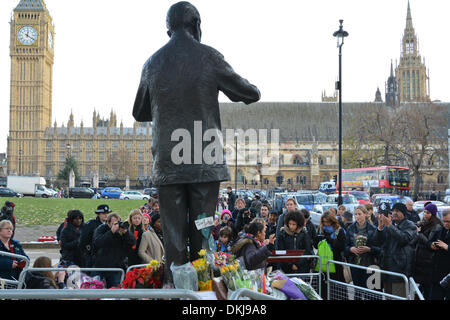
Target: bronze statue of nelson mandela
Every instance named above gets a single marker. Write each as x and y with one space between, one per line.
178 92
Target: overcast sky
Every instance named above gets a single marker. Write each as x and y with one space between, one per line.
284 47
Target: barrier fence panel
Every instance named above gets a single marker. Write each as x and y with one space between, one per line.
313 279
55 294
414 290
74 271
253 295
9 283
337 290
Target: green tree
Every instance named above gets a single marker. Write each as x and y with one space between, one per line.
71 164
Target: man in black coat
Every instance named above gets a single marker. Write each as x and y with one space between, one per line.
411 214
87 233
178 92
394 237
112 242
231 198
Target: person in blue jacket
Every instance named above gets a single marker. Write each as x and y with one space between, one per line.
10 268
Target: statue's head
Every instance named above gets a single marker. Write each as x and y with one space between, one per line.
184 16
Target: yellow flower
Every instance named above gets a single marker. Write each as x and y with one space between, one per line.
154 263
202 253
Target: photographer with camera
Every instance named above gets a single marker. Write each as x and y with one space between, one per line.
394 235
244 217
439 242
112 242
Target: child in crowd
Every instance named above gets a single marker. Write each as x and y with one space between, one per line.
224 242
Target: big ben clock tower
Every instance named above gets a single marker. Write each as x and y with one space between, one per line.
31 51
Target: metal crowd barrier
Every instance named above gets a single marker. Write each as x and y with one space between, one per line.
253 295
313 279
55 294
337 290
414 290
8 283
136 266
21 281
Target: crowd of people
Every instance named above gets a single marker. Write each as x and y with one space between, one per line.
394 239
108 241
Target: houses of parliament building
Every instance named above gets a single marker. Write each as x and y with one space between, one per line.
308 145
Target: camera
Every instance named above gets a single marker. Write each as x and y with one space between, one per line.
121 224
384 209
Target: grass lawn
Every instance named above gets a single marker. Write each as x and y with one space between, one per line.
52 211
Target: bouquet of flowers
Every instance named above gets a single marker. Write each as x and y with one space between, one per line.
223 259
203 269
149 276
231 274
92 284
360 241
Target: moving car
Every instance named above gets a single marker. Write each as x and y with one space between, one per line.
134 195
111 193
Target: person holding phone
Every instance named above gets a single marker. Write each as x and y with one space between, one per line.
394 235
439 242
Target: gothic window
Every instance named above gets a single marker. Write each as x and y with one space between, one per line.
62 156
48 156
89 144
297 160
115 144
321 161
441 179
89 156
128 145
62 144
49 144
140 156
141 171
101 156
101 145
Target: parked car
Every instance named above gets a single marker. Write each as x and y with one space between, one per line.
134 195
362 196
7 192
441 206
111 193
349 201
81 192
151 192
447 199
307 199
390 199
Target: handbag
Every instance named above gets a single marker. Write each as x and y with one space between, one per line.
325 253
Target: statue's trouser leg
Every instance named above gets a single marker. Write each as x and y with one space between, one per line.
175 201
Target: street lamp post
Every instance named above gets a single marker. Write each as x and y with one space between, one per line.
236 157
340 35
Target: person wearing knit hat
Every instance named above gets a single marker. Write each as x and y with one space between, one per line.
394 238
225 211
431 208
146 221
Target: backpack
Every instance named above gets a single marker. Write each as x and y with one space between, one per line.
325 253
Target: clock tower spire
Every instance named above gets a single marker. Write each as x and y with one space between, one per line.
31 51
411 73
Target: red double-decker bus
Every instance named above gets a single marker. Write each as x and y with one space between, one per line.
385 179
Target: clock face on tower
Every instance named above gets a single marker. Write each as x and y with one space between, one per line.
27 35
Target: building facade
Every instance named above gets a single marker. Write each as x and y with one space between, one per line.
304 153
